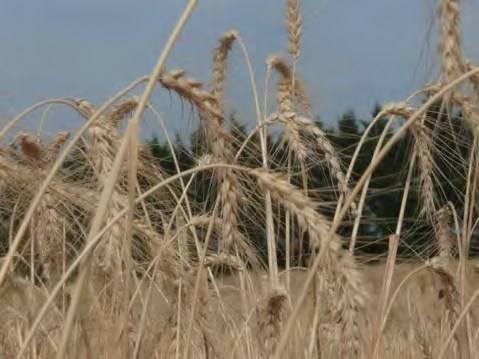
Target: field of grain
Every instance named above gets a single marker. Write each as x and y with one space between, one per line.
108 255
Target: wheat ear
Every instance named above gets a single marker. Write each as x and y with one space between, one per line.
294 24
48 222
423 146
323 144
220 58
296 88
445 241
423 149
221 147
122 110
450 40
353 294
31 148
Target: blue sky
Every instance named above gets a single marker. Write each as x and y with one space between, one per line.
354 52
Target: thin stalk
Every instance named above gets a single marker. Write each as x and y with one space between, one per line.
391 260
362 201
272 260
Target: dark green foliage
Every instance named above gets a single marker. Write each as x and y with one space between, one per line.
387 183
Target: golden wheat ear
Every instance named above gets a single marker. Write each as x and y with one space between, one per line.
294 25
220 58
31 147
122 110
453 64
295 86
423 150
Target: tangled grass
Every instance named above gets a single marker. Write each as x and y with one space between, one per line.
109 255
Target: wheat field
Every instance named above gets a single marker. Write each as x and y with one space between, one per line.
109 255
